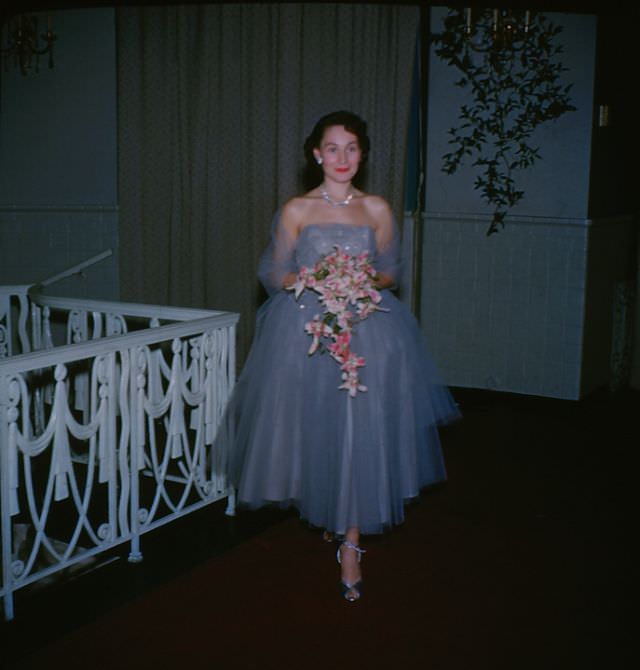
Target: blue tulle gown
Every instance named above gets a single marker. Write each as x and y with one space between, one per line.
294 439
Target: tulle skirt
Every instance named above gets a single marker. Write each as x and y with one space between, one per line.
293 438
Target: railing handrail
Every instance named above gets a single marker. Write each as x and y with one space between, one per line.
123 308
14 289
81 350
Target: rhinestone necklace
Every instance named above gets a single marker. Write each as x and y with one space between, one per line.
335 203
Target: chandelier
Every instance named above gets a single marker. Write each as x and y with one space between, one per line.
497 29
21 44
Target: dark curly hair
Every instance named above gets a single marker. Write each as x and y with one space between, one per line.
351 122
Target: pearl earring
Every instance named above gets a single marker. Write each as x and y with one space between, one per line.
319 161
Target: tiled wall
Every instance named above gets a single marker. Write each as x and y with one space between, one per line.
507 312
38 243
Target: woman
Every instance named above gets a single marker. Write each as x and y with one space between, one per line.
347 458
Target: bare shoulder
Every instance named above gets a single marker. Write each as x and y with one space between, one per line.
378 210
293 214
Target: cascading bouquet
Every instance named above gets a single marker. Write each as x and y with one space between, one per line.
345 284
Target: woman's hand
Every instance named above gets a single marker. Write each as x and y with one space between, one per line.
383 281
289 279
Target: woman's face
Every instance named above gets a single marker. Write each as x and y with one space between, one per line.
340 153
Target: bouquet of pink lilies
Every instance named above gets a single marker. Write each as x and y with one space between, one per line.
346 286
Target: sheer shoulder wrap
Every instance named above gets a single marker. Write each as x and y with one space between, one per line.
388 260
278 259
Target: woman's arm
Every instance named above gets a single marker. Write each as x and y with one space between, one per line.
277 262
291 229
380 213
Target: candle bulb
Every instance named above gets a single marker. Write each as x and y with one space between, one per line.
527 16
468 27
495 20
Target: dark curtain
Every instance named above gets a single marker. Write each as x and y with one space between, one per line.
214 104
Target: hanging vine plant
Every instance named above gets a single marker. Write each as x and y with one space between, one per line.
509 62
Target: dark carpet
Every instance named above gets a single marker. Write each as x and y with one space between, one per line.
522 559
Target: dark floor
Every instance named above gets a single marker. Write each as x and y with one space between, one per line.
521 560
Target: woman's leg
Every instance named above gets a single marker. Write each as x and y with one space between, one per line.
350 570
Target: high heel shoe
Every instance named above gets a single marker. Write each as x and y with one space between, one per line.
350 592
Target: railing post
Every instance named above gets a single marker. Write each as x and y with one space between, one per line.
230 510
22 323
5 325
5 508
136 388
231 372
11 333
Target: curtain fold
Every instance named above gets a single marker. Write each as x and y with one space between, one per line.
214 104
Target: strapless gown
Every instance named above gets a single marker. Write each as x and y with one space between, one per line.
294 439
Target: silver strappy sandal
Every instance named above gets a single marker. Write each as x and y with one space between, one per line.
350 592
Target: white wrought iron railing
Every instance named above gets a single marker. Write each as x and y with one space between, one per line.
108 413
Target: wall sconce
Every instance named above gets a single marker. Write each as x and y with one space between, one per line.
22 46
